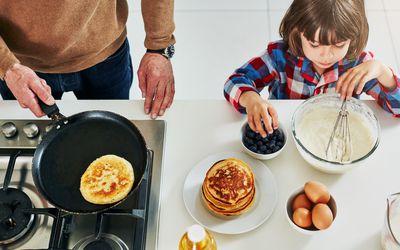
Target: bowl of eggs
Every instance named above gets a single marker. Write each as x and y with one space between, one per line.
263 148
313 123
311 208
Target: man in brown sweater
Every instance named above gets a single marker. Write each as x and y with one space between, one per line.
48 47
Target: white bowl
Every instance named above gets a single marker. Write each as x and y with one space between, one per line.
312 230
333 100
263 156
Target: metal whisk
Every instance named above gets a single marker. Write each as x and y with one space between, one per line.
339 147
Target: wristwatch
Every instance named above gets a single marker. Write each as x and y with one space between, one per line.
167 52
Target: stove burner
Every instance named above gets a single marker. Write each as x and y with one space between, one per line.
101 242
14 223
98 245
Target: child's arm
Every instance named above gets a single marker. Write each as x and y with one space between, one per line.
374 78
253 76
243 88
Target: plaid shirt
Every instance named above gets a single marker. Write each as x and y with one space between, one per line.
290 77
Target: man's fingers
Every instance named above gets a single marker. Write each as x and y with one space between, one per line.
142 82
169 95
45 85
149 94
171 92
41 91
158 100
31 102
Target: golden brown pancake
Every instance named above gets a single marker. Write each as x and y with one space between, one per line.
227 211
228 188
107 180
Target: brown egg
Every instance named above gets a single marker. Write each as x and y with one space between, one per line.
317 192
322 216
301 200
302 217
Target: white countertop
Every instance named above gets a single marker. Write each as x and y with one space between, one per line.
196 129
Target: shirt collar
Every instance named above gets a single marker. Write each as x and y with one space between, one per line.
307 71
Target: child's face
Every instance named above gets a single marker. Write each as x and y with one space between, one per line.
323 56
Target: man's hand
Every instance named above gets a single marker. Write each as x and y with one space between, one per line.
27 86
156 81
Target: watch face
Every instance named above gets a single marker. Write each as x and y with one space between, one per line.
170 51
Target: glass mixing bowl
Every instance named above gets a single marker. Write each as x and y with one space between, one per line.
333 101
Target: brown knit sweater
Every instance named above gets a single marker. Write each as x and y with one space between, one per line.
60 36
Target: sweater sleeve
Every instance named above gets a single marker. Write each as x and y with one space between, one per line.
388 100
255 75
158 17
7 58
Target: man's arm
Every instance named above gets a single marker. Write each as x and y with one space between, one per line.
158 17
156 79
23 82
7 58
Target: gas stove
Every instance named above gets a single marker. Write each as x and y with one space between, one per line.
28 221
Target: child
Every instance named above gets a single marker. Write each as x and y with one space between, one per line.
321 52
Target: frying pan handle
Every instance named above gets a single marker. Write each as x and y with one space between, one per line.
51 111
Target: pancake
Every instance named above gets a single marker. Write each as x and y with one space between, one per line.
107 180
227 211
228 188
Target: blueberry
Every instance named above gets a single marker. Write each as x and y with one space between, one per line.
259 152
268 151
258 137
276 148
265 140
250 141
250 134
247 127
279 144
253 148
281 137
272 143
277 132
259 143
263 148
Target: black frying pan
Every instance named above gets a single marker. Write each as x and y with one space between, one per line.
74 142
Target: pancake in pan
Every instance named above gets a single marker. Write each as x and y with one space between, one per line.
107 180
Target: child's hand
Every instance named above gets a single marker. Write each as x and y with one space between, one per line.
357 77
259 112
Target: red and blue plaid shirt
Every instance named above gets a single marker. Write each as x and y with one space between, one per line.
291 77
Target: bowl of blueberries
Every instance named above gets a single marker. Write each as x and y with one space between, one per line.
263 148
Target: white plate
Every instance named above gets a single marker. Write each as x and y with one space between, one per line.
264 204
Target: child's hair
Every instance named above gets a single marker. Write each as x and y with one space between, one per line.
338 21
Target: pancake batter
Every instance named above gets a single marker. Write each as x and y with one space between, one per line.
315 129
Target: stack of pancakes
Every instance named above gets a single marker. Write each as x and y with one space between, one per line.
228 188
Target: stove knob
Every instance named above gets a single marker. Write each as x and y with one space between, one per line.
31 130
49 127
9 129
